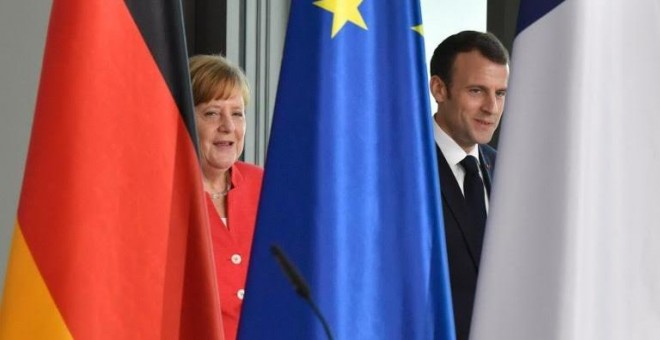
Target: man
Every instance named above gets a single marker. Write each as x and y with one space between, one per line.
469 75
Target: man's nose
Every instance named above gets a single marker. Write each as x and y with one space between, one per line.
491 104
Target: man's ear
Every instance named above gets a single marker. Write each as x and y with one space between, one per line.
439 90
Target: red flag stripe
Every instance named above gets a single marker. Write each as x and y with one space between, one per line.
111 183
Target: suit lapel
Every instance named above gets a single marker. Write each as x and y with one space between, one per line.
451 193
486 169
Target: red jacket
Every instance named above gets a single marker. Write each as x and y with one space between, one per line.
231 245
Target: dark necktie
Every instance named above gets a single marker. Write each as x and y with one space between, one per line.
473 189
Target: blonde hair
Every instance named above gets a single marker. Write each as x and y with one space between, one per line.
214 77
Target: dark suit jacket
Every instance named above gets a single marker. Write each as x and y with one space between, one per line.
463 248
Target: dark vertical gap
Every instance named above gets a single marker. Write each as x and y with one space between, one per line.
188 7
501 21
206 26
260 62
242 62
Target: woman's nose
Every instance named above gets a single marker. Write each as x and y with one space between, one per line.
226 124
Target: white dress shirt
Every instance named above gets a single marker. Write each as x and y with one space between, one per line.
454 154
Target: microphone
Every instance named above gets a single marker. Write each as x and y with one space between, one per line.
299 285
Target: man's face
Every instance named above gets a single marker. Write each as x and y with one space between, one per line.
470 109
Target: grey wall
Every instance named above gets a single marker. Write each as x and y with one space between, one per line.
255 41
23 27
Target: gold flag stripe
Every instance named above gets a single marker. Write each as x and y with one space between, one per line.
28 310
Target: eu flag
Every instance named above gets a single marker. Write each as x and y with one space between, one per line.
351 190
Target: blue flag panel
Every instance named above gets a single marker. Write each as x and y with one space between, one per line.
351 190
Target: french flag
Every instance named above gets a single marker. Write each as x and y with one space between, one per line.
573 236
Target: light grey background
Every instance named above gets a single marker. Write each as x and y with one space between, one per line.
23 27
443 18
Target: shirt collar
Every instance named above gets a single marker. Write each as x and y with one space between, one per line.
453 153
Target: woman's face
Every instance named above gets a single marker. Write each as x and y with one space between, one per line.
221 130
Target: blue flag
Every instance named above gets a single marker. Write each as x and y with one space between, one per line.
351 187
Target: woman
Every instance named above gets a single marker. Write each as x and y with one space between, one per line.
221 92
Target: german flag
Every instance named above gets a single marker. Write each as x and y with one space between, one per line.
112 239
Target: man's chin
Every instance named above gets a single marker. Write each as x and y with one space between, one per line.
485 139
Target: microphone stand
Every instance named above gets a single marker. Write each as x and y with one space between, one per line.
299 285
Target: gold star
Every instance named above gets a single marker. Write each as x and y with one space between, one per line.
344 11
419 29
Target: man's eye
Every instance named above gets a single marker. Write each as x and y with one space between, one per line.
237 114
210 114
501 93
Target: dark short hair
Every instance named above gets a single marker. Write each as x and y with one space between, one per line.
442 62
